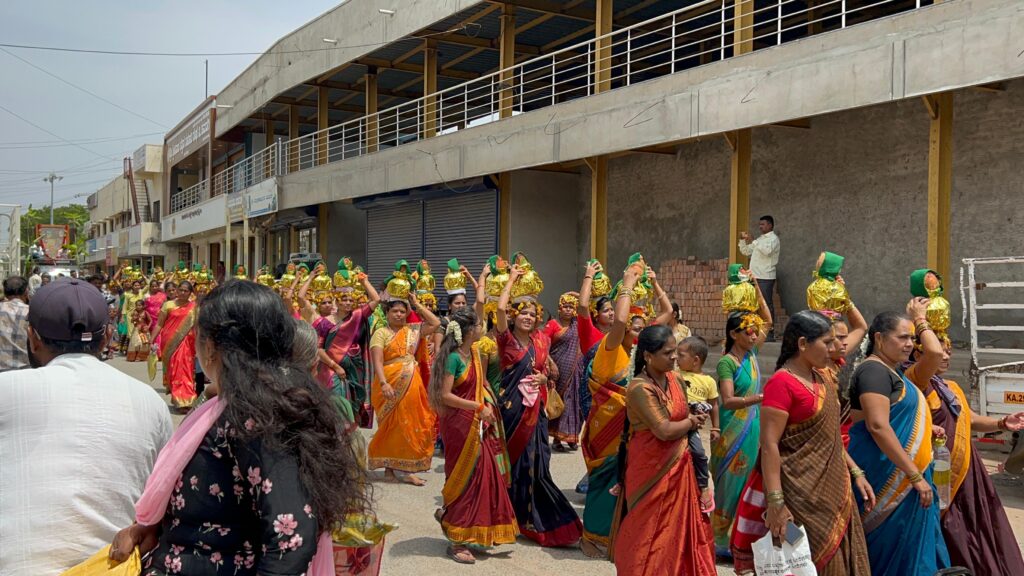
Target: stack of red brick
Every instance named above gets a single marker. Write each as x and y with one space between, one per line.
697 286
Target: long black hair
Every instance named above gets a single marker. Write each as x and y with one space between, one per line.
651 339
732 323
465 318
884 323
272 400
807 324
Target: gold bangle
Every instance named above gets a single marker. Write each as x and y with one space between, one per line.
915 478
856 473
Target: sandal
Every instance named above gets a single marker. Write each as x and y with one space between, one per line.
707 501
439 515
558 447
573 447
461 554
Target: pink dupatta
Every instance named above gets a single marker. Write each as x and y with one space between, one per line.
171 462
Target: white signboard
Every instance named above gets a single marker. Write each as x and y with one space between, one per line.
261 199
194 133
200 218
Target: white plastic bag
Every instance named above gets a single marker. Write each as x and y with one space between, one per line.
789 560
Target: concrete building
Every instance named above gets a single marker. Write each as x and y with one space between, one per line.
883 130
124 215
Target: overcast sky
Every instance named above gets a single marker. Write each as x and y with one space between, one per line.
161 90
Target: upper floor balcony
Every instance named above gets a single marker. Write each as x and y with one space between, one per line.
698 34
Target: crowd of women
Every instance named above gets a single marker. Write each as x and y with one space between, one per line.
614 373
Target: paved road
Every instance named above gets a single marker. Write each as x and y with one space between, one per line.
418 546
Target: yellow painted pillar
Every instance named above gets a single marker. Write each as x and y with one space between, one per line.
507 59
504 213
430 89
293 133
739 191
268 135
603 48
940 180
743 27
740 140
322 122
599 208
372 121
293 240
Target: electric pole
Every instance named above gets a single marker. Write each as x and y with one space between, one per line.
51 178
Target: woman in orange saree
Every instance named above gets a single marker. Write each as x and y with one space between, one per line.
178 346
659 528
476 512
405 431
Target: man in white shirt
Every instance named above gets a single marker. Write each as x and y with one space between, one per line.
78 438
34 281
764 257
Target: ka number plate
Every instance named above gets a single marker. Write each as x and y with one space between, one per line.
1013 397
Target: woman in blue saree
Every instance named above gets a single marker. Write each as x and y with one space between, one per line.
542 511
891 440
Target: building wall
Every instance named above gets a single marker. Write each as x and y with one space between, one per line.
543 226
854 183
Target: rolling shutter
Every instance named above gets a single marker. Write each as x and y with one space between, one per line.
393 233
463 226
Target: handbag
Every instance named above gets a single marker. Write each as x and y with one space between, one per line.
791 559
555 406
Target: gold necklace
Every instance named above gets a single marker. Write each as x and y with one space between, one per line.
813 389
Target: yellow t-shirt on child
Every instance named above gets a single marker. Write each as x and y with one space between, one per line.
701 387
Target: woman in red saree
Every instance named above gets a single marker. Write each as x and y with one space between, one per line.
177 347
476 511
659 528
804 472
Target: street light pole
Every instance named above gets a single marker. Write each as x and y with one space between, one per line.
51 178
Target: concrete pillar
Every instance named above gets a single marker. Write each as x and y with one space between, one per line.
293 133
268 136
603 49
429 89
504 213
507 59
739 190
321 229
372 122
940 180
322 123
599 208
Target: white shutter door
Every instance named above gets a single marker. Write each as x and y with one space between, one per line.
464 226
393 233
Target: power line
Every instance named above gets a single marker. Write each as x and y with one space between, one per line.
78 140
59 144
58 136
472 26
77 87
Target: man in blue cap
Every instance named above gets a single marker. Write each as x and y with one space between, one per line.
78 438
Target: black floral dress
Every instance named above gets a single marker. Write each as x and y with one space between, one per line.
238 509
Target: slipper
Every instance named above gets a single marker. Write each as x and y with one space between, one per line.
573 447
559 447
455 555
439 515
707 505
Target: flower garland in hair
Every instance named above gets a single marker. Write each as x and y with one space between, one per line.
455 330
631 370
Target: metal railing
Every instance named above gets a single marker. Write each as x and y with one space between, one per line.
250 171
698 34
190 196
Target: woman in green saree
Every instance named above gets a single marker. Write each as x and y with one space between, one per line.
734 454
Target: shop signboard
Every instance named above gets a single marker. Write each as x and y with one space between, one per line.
261 199
200 218
192 135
